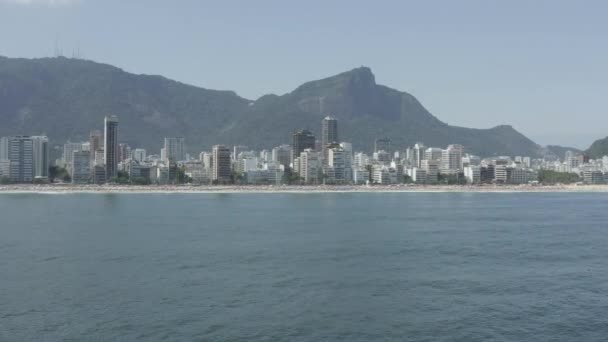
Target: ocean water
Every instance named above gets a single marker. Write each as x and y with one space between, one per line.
304 267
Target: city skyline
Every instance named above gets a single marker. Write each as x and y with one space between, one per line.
307 161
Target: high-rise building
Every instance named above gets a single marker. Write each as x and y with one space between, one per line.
302 140
222 171
95 140
95 144
21 156
348 154
418 155
382 144
335 169
81 167
3 148
309 166
175 150
472 173
68 152
5 168
41 156
382 157
139 154
431 167
282 154
236 150
111 152
451 159
329 131
433 153
207 160
124 152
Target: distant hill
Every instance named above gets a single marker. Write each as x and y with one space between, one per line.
559 151
65 98
598 149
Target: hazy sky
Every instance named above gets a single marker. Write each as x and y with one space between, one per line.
541 66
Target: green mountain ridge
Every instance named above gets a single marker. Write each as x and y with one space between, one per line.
598 149
66 98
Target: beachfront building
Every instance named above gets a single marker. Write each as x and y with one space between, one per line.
335 170
473 174
111 152
418 175
593 177
21 155
360 176
309 166
5 168
222 171
431 167
41 157
81 167
451 159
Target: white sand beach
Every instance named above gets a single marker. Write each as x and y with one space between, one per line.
69 188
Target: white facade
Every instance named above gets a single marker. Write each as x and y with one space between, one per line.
5 168
418 175
433 153
473 174
361 160
451 159
309 166
139 154
432 170
360 176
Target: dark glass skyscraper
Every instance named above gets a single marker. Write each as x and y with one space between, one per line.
329 131
302 140
111 146
329 135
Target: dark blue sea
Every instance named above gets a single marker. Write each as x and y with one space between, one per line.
304 267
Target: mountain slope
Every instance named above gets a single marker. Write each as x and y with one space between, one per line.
65 98
598 149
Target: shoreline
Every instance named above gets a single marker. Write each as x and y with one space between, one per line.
69 188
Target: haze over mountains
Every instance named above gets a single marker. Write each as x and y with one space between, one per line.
66 98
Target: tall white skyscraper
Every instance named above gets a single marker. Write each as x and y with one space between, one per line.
419 151
111 152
